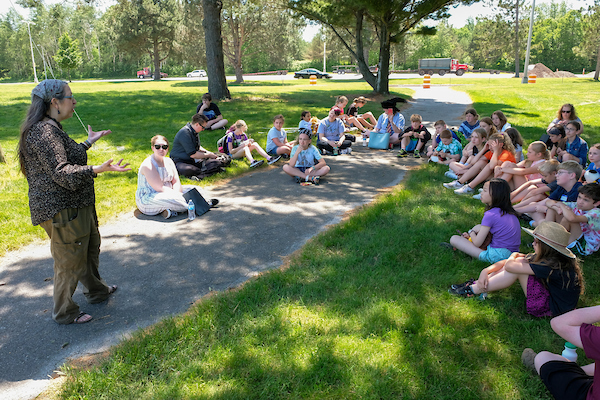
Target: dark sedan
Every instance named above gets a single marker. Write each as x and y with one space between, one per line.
307 72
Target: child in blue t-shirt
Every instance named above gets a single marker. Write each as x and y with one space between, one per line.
448 150
306 163
576 147
277 143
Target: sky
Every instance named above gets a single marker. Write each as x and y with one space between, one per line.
458 19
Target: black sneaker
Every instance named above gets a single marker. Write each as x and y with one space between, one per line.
464 291
402 153
417 154
274 159
213 202
462 285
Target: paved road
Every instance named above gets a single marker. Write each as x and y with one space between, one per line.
163 266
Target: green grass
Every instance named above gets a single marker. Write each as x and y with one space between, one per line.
362 312
136 111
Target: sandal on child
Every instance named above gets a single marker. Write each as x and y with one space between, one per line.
112 289
82 318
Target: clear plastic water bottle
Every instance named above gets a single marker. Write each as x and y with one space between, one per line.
191 210
570 352
364 141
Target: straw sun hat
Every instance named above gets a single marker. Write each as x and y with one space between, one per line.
554 235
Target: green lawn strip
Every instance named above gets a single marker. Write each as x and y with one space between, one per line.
136 111
362 312
531 107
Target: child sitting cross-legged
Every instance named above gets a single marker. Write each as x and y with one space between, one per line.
440 126
471 152
581 219
537 189
306 163
499 221
567 179
527 170
448 150
550 277
500 150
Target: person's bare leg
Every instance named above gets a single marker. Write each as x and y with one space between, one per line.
465 246
473 171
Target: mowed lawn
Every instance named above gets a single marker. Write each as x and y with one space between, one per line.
362 311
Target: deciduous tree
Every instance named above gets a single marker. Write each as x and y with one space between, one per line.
68 55
391 19
215 66
148 26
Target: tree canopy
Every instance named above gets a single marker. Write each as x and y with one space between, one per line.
391 20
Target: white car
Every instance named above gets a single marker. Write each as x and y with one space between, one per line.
197 73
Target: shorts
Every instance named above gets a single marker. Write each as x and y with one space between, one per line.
273 152
566 380
412 145
493 255
303 169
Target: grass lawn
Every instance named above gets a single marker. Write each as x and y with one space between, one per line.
136 111
362 311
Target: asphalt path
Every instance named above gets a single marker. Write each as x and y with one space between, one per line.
163 266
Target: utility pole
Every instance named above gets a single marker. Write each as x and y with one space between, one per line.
517 40
525 78
31 46
324 52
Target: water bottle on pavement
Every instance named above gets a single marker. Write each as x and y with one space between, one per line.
364 141
191 210
570 352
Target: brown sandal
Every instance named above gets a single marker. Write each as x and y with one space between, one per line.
82 318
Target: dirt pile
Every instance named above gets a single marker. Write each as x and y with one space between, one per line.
541 71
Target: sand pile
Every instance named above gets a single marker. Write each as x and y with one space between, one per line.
565 74
541 71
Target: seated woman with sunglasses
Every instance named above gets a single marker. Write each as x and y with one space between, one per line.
565 114
159 190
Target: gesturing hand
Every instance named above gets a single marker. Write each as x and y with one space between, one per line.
109 166
94 136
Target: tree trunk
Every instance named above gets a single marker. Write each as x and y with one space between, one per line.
597 65
2 159
383 81
217 82
363 65
156 59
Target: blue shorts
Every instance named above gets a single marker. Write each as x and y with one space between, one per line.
303 169
493 255
412 145
273 152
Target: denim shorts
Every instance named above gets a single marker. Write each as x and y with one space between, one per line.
493 255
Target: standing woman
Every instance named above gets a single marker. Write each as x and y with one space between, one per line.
61 197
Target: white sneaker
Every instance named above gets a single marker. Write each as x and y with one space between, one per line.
451 175
477 196
466 189
453 185
347 150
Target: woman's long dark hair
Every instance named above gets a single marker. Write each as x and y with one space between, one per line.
558 261
37 111
500 194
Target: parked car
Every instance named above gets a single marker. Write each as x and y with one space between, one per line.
197 73
307 72
147 73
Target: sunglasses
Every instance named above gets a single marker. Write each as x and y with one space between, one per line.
159 146
566 111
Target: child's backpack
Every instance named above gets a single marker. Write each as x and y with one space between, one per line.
222 143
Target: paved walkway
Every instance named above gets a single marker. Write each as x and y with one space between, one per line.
163 266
